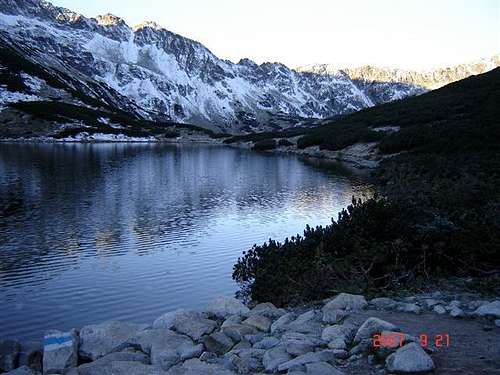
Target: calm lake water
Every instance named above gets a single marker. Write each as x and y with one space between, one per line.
91 232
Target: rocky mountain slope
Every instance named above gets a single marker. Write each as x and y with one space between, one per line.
164 76
377 82
57 103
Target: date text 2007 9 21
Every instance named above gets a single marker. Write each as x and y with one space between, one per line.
394 340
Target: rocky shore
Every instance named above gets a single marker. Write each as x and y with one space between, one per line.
431 333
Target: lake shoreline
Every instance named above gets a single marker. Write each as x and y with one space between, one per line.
343 334
361 161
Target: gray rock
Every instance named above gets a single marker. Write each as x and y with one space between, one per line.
243 344
254 338
322 368
338 344
311 339
262 323
411 299
245 361
409 308
23 370
473 305
119 368
60 351
193 324
188 351
103 364
267 309
267 343
331 316
361 348
431 302
257 353
167 320
166 348
297 369
439 309
383 303
373 326
231 321
345 332
223 307
281 323
298 347
275 357
31 354
457 312
452 305
410 359
9 354
218 343
260 307
344 301
312 357
97 340
308 322
238 332
491 309
208 357
197 367
133 368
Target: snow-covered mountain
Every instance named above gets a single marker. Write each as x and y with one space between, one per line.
161 75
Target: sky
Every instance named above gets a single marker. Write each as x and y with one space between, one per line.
409 34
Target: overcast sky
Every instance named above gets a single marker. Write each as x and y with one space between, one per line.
407 34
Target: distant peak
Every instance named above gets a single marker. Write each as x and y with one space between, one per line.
109 19
329 69
151 24
247 62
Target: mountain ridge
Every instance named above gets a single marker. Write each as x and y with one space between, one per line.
173 78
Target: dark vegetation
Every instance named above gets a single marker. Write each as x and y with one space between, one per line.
255 137
438 216
64 112
265 144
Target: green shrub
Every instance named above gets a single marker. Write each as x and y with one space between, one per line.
265 144
171 134
374 247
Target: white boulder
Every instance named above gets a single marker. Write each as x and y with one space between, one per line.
409 359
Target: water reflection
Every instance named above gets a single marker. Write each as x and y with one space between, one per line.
93 232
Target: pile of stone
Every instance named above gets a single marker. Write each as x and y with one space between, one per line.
459 306
229 338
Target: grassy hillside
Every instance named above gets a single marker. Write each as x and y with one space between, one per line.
437 219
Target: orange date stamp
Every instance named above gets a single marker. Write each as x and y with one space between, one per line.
394 340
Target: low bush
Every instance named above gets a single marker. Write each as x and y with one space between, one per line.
265 144
171 134
374 247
